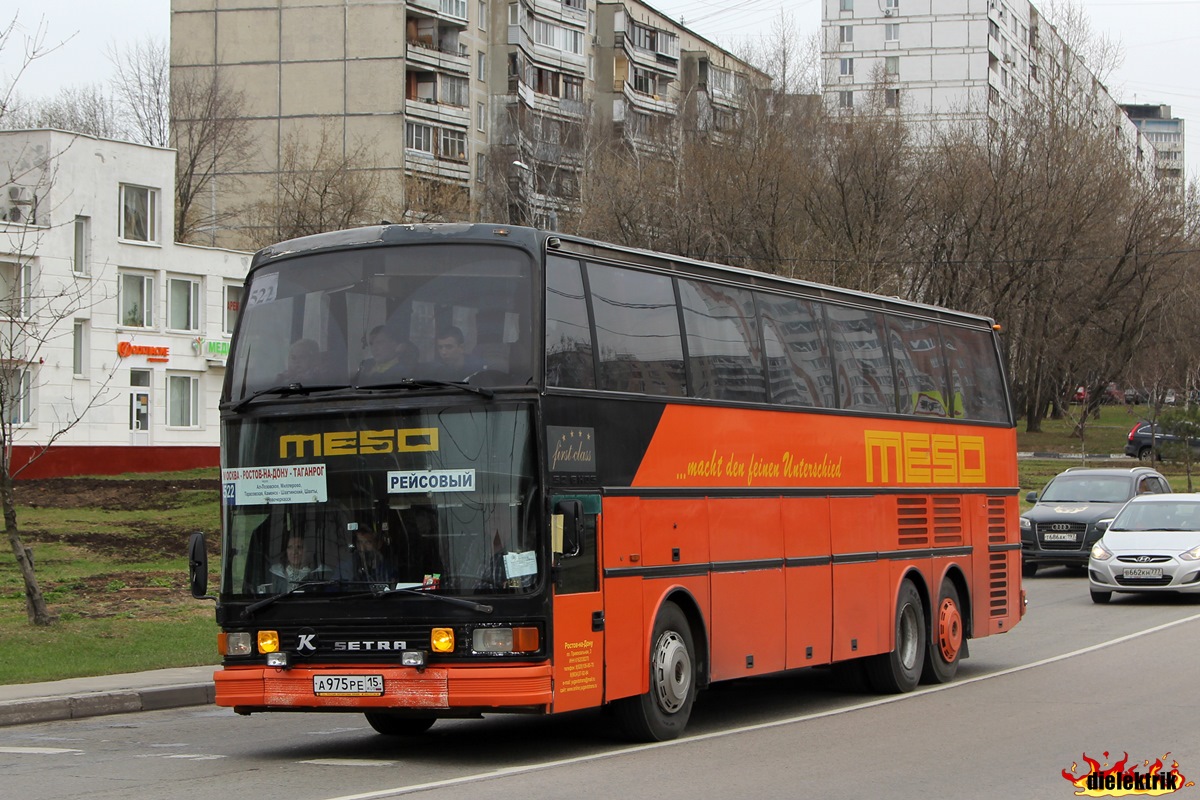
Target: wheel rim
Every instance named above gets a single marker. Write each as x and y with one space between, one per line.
949 630
672 672
908 637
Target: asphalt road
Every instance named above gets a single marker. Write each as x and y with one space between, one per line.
1072 678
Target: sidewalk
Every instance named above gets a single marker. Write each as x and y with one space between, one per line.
106 694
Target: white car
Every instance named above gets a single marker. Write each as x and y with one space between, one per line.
1152 545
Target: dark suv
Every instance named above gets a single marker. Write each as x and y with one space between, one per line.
1146 440
1074 510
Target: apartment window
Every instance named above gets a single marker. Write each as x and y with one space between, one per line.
454 91
514 14
183 401
16 289
79 349
846 34
455 8
83 244
576 4
572 88
453 145
891 98
481 117
482 15
233 307
891 32
480 168
138 219
183 304
846 66
18 384
891 65
892 5
846 99
418 137
847 5
481 65
136 293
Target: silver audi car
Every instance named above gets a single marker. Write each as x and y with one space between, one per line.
1152 545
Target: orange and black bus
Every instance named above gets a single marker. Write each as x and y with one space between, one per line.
475 468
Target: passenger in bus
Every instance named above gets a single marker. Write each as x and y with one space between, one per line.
297 564
373 561
390 360
303 363
454 363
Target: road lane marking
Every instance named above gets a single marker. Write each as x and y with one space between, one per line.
349 762
38 751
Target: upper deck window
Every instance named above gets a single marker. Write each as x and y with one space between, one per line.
448 311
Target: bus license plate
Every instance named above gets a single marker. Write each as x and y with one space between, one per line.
1059 537
348 685
1142 573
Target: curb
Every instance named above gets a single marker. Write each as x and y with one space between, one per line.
1074 456
95 704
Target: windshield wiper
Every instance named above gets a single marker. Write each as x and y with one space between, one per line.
249 610
431 383
458 601
283 390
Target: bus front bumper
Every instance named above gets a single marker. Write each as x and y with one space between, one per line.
479 687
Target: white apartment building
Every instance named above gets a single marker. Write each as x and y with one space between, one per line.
960 59
103 318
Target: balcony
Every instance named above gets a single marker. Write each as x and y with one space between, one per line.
422 52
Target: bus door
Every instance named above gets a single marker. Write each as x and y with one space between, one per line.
578 606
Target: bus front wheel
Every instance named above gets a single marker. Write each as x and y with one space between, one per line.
662 712
900 670
945 637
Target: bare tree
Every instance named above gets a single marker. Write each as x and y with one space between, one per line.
319 187
211 136
80 109
37 310
142 84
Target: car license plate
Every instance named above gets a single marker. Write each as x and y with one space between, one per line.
1059 537
348 685
1142 573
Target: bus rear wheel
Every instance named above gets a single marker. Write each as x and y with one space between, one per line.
398 724
945 637
900 670
662 712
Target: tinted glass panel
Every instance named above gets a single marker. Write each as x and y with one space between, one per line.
920 367
976 380
637 331
568 336
797 351
723 348
863 367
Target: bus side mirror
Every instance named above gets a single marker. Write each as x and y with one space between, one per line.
198 566
571 514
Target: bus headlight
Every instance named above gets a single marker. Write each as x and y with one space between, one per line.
441 640
268 641
504 640
237 644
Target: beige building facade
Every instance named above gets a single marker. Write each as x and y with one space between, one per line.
490 100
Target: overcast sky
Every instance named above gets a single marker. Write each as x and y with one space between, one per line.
1161 39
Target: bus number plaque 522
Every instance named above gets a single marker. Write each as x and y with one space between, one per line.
348 685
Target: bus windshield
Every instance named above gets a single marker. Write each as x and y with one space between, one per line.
438 500
375 317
